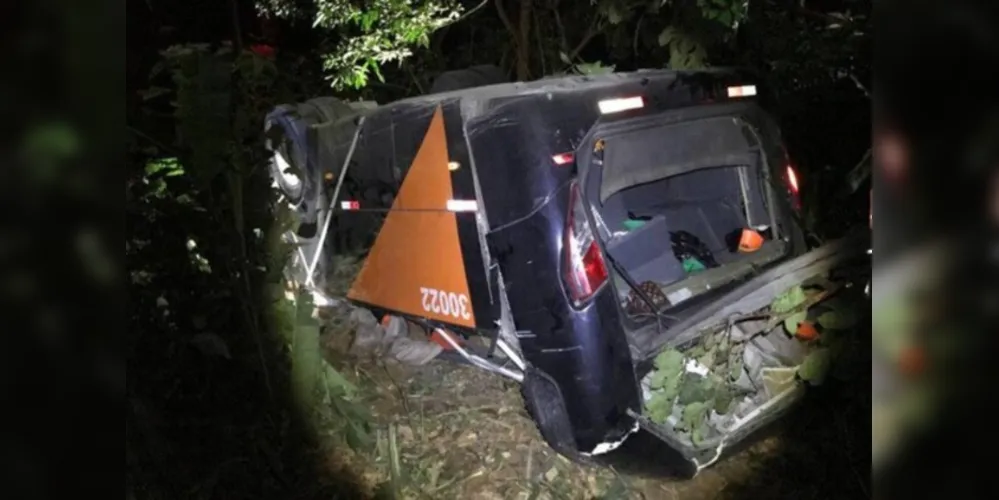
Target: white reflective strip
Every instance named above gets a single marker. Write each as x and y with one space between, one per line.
462 205
348 205
742 91
624 103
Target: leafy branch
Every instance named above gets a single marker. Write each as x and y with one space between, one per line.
380 32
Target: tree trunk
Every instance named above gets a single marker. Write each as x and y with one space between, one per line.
524 42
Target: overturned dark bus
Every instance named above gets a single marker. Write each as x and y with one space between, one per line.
596 230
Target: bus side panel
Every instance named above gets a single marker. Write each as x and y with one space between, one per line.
416 265
485 302
584 352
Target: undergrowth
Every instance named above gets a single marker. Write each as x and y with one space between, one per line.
229 395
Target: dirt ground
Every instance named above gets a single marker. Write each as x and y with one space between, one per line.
462 433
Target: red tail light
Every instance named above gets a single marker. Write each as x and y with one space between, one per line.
585 270
792 180
563 158
793 186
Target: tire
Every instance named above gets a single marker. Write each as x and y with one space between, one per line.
286 133
474 76
285 139
287 156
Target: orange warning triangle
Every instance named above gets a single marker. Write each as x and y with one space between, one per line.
415 265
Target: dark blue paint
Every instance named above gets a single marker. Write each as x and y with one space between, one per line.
584 351
526 196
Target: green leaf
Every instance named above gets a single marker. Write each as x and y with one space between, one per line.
659 407
722 344
708 359
725 17
695 388
378 72
671 389
700 433
594 68
791 323
184 199
815 366
613 15
357 428
777 380
696 352
735 365
670 360
368 19
357 437
666 36
338 384
791 298
685 52
708 341
168 166
669 370
723 400
659 379
693 415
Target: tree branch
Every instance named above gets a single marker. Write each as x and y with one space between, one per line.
860 86
505 20
416 81
154 141
541 48
524 45
237 31
563 44
501 12
469 13
591 32
819 15
638 31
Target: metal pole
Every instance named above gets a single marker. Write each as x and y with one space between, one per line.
336 193
477 361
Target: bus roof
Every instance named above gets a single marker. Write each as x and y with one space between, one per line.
478 97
